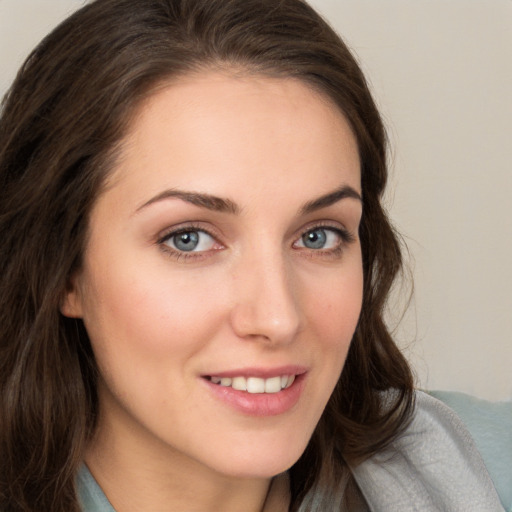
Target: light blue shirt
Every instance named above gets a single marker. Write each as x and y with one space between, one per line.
90 495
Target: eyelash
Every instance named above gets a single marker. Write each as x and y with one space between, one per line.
346 238
183 255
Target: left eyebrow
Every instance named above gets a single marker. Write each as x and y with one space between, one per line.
202 200
331 198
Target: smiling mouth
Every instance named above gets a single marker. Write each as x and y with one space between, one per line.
254 384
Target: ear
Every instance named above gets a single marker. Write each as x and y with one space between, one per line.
71 303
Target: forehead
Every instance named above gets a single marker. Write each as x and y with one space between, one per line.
214 129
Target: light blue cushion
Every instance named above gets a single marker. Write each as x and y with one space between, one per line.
490 424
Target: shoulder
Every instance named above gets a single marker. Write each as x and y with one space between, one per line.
433 465
490 425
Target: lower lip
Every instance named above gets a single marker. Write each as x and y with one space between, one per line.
259 404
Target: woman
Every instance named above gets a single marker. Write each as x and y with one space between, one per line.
195 265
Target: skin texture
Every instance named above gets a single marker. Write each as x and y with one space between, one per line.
252 295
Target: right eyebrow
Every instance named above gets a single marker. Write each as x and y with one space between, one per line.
207 201
331 198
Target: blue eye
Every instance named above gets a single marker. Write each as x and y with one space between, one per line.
190 241
314 239
320 238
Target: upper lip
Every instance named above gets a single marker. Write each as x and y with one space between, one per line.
261 372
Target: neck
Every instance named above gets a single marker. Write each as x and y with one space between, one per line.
137 475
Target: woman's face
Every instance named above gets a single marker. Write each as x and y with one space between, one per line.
223 254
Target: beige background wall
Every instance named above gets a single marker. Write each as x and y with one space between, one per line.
442 73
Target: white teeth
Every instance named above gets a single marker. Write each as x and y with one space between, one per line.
255 384
239 383
273 385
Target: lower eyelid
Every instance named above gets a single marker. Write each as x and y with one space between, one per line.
165 240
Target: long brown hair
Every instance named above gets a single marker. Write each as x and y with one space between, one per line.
61 125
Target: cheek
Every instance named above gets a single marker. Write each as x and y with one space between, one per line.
334 309
332 317
337 317
149 316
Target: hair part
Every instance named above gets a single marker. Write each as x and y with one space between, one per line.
61 128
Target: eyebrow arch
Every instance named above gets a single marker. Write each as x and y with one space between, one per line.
331 198
219 204
202 200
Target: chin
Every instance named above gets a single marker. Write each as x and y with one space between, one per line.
260 462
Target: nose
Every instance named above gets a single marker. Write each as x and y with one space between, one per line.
266 305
